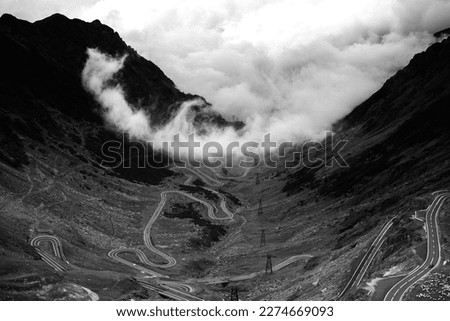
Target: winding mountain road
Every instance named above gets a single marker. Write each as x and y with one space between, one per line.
177 286
246 171
173 289
57 261
367 259
223 204
243 277
171 261
212 211
205 178
114 254
433 258
169 291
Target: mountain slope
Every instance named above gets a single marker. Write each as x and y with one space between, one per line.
37 54
397 152
398 133
51 134
42 96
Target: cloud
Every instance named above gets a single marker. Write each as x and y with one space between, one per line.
291 68
287 67
98 79
97 74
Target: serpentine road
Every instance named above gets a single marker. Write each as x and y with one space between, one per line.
176 292
172 289
205 178
367 259
170 261
58 262
147 240
246 171
433 258
237 278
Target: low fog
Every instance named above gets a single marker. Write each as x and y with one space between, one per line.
98 73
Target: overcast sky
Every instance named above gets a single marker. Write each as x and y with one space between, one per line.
285 66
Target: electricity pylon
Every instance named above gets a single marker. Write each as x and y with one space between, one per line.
260 210
234 295
263 238
269 264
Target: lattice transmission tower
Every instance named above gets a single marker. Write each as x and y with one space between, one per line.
234 294
269 264
260 210
263 238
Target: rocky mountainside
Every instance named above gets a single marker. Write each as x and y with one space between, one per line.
397 152
42 96
51 184
397 139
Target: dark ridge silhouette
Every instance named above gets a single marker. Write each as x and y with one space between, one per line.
42 96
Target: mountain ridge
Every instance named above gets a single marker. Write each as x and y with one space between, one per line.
42 63
51 132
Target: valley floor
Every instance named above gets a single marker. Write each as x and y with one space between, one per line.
70 231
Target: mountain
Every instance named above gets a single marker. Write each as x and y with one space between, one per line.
43 98
398 153
51 136
316 223
395 138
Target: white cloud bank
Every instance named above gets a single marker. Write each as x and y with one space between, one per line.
288 67
97 77
291 67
